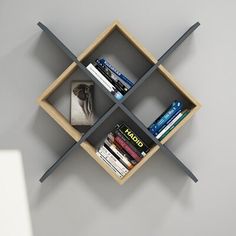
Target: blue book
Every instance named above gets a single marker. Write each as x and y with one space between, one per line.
175 107
114 70
168 122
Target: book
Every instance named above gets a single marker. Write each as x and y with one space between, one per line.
133 139
118 133
103 61
104 81
127 148
169 125
113 75
82 108
172 118
174 125
113 82
109 164
113 78
165 116
118 154
111 139
112 159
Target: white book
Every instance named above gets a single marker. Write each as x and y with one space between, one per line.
123 158
169 125
100 77
109 86
109 164
122 169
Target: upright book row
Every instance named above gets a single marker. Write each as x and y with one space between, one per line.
122 149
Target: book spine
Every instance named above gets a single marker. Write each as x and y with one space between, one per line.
123 170
173 126
126 154
113 69
113 82
118 133
169 125
104 81
127 148
170 120
109 164
111 139
133 139
112 75
123 159
165 116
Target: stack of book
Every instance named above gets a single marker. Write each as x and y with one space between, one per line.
168 120
122 150
112 79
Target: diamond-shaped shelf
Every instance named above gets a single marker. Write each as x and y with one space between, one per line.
124 51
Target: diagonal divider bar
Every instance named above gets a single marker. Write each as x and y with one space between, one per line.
156 141
73 57
178 42
161 59
118 103
82 139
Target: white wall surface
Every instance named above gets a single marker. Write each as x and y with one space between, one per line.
14 208
80 198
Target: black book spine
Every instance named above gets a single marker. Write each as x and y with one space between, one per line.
133 139
113 76
113 82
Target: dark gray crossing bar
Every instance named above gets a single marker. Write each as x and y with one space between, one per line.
156 141
83 138
161 59
118 103
72 56
57 163
178 42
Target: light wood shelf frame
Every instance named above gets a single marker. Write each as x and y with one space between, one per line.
81 139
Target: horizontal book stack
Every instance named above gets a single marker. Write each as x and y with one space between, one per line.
122 150
112 79
168 120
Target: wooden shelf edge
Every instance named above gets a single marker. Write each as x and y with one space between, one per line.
92 152
181 124
60 119
140 164
176 84
57 82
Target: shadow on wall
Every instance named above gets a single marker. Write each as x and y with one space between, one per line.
50 56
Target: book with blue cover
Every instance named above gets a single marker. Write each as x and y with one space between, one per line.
172 126
168 122
167 115
103 61
114 79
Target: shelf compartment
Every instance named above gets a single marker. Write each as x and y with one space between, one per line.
91 150
156 94
98 137
57 102
122 50
51 99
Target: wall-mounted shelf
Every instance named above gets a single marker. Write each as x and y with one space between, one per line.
142 67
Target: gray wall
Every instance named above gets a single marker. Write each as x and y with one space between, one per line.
80 198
